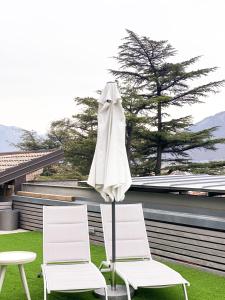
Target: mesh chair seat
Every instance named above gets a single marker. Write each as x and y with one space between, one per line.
148 274
73 277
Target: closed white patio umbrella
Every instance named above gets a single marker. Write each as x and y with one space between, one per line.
110 172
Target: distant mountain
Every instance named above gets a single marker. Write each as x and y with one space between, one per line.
9 135
212 121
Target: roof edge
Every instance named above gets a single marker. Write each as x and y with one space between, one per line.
31 166
30 151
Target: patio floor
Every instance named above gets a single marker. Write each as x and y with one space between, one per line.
204 286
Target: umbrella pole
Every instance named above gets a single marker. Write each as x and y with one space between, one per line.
113 278
114 291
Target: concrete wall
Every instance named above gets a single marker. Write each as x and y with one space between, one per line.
172 236
193 207
184 228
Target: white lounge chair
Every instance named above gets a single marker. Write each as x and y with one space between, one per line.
134 263
67 263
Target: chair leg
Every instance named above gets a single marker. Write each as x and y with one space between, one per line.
2 275
45 294
185 292
45 289
128 290
106 293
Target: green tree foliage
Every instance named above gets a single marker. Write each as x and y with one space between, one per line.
76 136
79 149
151 84
211 168
30 141
159 84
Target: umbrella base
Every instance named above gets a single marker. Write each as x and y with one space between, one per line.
120 293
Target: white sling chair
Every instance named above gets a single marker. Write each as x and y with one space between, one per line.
67 265
134 263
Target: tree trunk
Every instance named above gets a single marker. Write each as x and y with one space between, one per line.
129 131
158 160
159 146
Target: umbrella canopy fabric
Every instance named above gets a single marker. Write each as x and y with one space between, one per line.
110 172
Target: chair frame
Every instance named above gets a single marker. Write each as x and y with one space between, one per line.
77 262
106 266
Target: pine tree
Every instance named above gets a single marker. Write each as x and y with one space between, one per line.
30 141
159 83
150 85
80 147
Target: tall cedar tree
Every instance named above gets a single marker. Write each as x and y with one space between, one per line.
150 85
159 84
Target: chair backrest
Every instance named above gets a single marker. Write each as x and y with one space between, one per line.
131 236
65 234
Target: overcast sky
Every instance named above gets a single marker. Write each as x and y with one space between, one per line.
52 51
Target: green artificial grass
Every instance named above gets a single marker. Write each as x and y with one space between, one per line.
204 286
